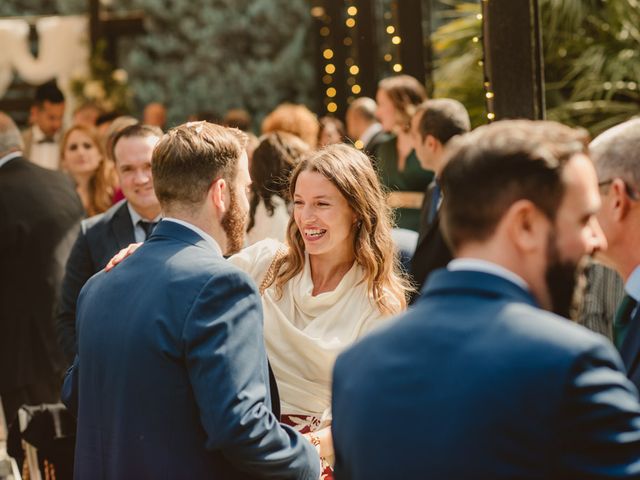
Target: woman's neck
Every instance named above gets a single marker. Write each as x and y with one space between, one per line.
328 270
404 146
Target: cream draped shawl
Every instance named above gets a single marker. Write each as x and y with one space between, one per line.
304 333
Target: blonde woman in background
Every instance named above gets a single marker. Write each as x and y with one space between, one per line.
82 157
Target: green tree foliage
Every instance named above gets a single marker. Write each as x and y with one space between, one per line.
210 55
591 60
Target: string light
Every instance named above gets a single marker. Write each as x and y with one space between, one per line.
324 31
356 89
353 11
391 29
489 95
332 107
397 68
328 53
388 57
330 68
348 41
327 79
331 92
354 70
350 22
359 144
491 116
396 40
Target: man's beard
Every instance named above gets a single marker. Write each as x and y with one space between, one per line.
234 224
561 279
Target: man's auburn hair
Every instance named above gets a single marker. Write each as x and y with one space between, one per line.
190 157
496 165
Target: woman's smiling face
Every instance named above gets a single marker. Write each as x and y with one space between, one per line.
323 216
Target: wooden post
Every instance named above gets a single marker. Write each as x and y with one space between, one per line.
367 47
411 48
513 59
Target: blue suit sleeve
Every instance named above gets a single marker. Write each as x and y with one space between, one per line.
69 393
227 365
600 421
78 270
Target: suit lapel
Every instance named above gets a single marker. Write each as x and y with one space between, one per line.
630 349
122 227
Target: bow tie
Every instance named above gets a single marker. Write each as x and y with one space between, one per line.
47 140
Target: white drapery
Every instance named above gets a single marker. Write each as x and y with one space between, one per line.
63 51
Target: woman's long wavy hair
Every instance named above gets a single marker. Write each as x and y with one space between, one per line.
103 182
353 175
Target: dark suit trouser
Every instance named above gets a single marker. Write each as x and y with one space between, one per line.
34 394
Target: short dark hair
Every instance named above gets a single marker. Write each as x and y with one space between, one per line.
496 165
48 92
136 130
443 119
188 158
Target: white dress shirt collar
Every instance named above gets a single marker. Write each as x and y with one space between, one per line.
138 231
477 265
370 132
632 287
208 238
9 156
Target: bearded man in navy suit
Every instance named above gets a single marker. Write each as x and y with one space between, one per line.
479 380
171 376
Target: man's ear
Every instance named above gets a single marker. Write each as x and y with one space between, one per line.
527 226
618 201
218 194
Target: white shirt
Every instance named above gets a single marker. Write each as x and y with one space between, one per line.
632 287
138 231
477 265
46 155
9 156
208 238
370 132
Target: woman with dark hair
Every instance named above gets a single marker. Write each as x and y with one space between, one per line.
274 158
336 279
397 163
82 157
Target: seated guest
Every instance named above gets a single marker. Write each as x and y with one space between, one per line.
171 376
477 380
273 160
82 157
396 160
335 280
363 128
331 131
295 119
432 126
102 236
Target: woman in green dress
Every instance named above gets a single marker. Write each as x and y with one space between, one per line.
397 164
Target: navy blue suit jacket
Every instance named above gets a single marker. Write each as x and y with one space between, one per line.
630 349
171 376
100 238
475 382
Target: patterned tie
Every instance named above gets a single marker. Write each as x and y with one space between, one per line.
622 319
147 227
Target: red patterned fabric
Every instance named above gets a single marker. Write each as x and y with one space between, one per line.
306 424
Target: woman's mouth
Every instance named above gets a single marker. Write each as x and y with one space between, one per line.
312 234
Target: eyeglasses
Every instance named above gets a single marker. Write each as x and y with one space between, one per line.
631 192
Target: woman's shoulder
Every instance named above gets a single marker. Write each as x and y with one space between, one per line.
256 259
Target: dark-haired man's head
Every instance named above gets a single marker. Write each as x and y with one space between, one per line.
201 175
433 125
132 152
47 111
524 195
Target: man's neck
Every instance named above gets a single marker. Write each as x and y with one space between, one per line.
206 223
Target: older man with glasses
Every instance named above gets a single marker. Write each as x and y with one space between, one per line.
616 154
